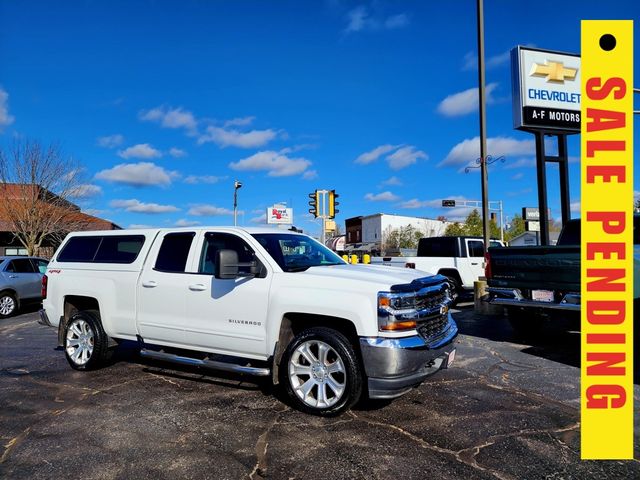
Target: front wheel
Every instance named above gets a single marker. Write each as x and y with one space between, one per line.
85 342
321 373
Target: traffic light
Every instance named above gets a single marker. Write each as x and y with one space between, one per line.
314 203
448 203
333 204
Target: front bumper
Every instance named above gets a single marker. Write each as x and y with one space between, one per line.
396 365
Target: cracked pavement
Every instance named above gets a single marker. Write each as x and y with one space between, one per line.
504 410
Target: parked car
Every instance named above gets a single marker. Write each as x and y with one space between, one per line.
251 301
536 281
460 259
20 282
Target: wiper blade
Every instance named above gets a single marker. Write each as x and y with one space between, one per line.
298 269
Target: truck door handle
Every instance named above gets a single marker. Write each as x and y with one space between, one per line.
197 287
474 263
150 284
13 276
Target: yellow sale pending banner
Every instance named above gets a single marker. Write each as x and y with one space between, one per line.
607 240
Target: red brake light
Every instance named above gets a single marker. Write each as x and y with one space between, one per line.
43 291
487 265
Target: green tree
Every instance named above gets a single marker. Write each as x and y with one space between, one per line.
473 224
454 230
516 227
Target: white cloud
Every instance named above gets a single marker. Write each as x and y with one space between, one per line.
404 157
208 211
518 176
467 151
5 118
465 102
436 203
93 211
139 226
392 181
375 154
239 122
137 174
235 138
141 150
186 223
276 164
381 197
518 193
169 117
575 207
470 60
310 175
361 19
520 163
177 153
110 141
85 191
136 206
194 179
396 21
259 219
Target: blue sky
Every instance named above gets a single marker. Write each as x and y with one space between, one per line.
167 103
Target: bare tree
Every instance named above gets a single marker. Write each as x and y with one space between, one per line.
37 184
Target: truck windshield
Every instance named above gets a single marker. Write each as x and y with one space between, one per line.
296 253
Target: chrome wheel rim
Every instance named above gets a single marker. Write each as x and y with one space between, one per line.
7 305
317 374
79 342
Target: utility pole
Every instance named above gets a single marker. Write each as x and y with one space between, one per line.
483 129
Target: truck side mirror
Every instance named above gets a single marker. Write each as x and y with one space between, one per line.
226 264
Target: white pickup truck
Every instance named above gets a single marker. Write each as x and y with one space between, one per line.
252 301
460 259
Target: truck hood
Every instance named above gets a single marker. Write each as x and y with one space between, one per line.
382 276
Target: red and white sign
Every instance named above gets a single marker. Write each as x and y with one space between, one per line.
279 215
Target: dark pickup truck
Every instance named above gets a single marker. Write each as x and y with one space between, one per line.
536 282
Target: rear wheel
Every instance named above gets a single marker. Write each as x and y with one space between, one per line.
321 373
8 304
85 342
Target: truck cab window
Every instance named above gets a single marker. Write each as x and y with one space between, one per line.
476 248
223 241
174 252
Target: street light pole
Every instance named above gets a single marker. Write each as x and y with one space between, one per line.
236 185
483 132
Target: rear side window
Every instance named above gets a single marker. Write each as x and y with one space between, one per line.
437 247
20 266
80 249
570 234
102 249
116 249
174 252
476 248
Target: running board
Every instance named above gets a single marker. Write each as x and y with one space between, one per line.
212 364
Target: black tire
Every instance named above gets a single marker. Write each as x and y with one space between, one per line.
341 356
456 290
8 304
92 340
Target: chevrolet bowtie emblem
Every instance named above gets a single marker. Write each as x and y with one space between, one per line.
554 71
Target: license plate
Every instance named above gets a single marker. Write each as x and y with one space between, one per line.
451 357
542 295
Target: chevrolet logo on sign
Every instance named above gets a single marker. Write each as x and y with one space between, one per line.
554 71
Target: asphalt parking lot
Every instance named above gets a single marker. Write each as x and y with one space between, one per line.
504 410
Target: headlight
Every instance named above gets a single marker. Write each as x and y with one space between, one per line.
396 311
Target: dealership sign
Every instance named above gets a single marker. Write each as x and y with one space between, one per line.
546 90
279 215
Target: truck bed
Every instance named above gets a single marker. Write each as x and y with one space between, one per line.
550 267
